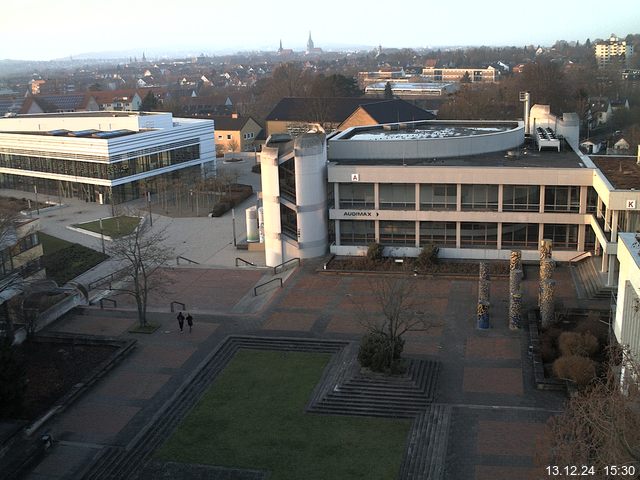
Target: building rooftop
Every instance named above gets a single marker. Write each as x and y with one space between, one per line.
623 172
436 130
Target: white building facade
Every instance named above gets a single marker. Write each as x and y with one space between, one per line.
102 156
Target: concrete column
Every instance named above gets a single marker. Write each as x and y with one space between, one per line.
500 200
605 263
336 195
417 197
614 225
581 237
541 210
376 197
607 220
611 276
417 227
599 208
336 231
583 200
377 230
458 241
540 232
459 198
499 235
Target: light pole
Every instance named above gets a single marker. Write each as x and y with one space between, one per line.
233 225
149 207
35 189
102 235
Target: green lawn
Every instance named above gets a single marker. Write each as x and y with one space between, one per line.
65 260
253 417
113 227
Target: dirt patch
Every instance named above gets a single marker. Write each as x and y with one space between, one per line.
53 368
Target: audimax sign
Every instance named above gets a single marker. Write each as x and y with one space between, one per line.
359 213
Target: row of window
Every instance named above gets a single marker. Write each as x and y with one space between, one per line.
472 234
515 198
108 171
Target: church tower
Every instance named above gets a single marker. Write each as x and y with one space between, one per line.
309 43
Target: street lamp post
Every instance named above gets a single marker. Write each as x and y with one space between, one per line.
149 207
35 189
102 235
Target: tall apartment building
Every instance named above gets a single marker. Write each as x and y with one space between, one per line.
613 52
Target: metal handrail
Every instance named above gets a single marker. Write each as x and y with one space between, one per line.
115 304
185 258
110 277
171 305
255 289
574 259
275 269
244 261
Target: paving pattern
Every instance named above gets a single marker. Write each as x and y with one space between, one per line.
485 412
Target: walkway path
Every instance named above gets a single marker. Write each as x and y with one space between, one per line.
496 413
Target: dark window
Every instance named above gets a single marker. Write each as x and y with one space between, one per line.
592 200
480 197
442 234
398 233
562 199
521 235
397 196
438 196
478 235
564 237
287 177
356 195
354 232
289 222
521 198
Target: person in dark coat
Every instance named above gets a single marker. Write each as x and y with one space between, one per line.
181 321
189 321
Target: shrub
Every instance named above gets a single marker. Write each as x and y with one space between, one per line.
376 353
374 252
593 325
548 351
574 343
428 256
574 367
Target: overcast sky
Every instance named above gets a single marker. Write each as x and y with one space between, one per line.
49 29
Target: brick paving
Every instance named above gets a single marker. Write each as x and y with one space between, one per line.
485 375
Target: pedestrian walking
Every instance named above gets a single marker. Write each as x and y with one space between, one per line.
181 321
189 321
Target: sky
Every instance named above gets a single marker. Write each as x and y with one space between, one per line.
48 29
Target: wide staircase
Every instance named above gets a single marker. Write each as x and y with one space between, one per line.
590 283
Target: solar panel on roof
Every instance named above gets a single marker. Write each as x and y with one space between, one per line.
112 133
58 132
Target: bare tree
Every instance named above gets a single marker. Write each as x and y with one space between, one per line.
601 424
142 252
10 280
402 310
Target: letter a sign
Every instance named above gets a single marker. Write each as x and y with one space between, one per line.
355 177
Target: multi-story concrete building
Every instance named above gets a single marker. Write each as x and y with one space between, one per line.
475 75
475 189
102 156
613 52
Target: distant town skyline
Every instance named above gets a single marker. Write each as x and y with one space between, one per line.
45 30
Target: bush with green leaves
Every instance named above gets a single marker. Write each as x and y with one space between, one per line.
374 252
380 353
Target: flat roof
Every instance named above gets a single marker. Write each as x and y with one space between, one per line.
425 131
527 155
623 172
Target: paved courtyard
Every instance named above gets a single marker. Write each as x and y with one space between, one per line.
498 415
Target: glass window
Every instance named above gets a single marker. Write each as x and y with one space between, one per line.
356 195
562 199
480 197
564 237
354 232
592 200
287 178
438 196
521 198
398 233
442 234
397 196
478 235
521 235
289 222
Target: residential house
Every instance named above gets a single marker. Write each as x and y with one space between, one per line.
118 100
77 102
235 133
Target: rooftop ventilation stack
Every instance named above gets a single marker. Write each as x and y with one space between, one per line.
526 98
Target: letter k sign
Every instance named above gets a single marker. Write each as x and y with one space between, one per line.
631 204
